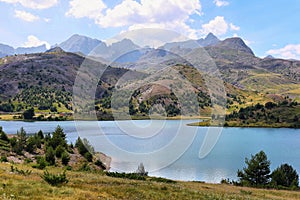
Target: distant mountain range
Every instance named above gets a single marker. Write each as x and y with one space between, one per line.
94 47
6 50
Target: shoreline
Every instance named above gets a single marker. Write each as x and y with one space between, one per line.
199 124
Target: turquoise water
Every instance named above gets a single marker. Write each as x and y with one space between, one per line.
171 149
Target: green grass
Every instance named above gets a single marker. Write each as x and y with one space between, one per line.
87 185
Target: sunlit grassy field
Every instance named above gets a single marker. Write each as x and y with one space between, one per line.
91 185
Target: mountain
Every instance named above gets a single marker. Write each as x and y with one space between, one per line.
6 50
210 39
234 43
269 57
96 48
151 76
28 50
118 49
83 44
52 70
55 50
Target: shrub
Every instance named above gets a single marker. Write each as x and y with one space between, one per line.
88 156
85 167
50 156
161 180
3 136
59 150
65 158
55 180
27 160
20 171
31 144
40 163
100 164
28 114
133 176
3 159
285 175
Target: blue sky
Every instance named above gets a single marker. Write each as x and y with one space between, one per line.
267 26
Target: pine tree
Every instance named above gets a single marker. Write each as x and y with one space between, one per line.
286 176
257 172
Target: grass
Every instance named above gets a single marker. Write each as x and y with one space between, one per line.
88 185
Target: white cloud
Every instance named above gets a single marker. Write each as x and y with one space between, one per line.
166 14
81 8
26 16
217 26
234 27
131 12
290 51
34 4
221 3
33 41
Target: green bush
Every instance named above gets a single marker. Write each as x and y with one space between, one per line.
55 180
85 167
65 158
133 176
3 136
28 114
40 163
3 159
59 150
20 171
88 156
161 180
100 164
50 156
285 175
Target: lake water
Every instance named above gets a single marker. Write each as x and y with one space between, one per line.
171 149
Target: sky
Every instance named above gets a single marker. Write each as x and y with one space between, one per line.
269 27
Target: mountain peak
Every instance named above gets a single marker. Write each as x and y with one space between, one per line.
55 50
80 43
211 36
269 57
237 44
209 40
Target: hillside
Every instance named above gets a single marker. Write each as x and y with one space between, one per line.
96 185
46 80
158 82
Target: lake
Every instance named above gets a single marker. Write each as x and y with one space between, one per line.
171 149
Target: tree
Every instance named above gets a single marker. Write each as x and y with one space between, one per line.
80 146
31 144
59 151
58 138
3 136
88 156
65 158
40 134
84 146
21 139
257 172
285 175
50 156
28 114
